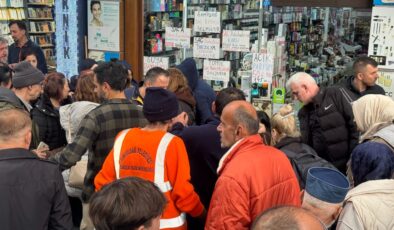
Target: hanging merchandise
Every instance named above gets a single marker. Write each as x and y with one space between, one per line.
381 38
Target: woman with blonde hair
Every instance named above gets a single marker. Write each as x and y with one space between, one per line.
373 158
178 85
287 138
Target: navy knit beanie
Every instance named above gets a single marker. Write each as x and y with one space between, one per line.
160 104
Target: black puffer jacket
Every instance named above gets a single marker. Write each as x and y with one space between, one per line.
327 126
47 120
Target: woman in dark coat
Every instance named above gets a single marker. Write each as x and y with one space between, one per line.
45 114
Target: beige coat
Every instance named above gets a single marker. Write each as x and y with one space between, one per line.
369 206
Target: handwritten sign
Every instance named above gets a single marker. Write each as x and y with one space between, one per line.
236 40
150 62
262 68
178 37
206 48
207 21
216 70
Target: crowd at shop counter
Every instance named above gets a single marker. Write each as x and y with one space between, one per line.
101 151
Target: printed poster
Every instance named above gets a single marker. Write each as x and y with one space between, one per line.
385 80
103 25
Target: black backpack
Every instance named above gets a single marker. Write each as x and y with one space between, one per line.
303 161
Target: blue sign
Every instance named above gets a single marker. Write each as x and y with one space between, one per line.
110 55
383 2
67 37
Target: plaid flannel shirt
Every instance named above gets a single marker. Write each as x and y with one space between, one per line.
97 134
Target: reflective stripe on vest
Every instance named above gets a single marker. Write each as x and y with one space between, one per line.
173 222
117 148
164 186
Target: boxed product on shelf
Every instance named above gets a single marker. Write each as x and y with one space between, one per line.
40 13
42 40
47 26
47 2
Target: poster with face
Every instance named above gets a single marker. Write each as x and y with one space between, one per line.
103 25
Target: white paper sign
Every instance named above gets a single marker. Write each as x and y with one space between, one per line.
206 48
150 62
177 37
262 68
207 21
216 70
236 40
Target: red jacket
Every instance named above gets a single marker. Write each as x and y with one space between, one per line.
253 177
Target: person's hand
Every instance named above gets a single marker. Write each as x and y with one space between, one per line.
182 118
12 66
41 153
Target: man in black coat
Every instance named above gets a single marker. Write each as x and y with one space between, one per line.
32 191
326 119
363 82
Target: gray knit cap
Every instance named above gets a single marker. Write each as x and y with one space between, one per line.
26 75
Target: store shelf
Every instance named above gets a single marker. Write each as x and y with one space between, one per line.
41 32
39 4
168 11
41 19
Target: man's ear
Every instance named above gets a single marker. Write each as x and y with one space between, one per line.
106 86
359 76
141 227
27 138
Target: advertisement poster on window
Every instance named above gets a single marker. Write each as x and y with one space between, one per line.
103 25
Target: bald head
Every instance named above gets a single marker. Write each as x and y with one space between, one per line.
238 120
286 217
15 129
303 87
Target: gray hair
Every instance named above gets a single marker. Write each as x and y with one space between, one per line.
3 40
299 78
328 208
242 116
12 122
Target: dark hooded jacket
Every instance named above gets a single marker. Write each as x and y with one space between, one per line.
203 93
48 121
187 104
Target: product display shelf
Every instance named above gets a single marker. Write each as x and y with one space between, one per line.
41 25
158 15
235 15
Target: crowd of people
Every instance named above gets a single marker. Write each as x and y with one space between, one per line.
101 151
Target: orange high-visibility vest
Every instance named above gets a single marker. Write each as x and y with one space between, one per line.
171 218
